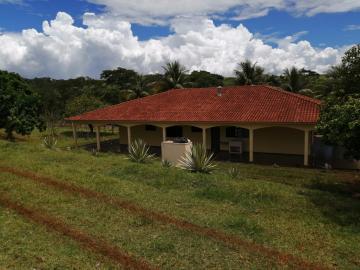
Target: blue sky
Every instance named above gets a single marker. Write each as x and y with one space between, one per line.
322 29
320 25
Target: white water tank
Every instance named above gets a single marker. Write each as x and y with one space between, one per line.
172 151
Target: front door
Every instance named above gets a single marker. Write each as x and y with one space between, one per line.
215 139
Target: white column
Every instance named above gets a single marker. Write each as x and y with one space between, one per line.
129 136
306 148
164 133
75 134
204 137
251 145
98 146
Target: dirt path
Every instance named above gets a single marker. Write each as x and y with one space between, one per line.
87 241
219 236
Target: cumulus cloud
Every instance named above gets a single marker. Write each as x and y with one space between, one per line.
63 50
160 11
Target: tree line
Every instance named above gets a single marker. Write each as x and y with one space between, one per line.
40 102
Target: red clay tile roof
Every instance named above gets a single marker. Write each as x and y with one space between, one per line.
244 104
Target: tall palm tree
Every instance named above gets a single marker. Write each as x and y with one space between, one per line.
248 73
140 89
174 75
294 79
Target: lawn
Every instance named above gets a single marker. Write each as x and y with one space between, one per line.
275 216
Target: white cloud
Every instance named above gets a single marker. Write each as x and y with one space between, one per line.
63 50
160 11
10 2
352 27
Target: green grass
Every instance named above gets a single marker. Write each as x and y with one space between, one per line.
312 214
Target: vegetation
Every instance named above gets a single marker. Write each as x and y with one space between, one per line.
82 104
293 79
139 152
340 124
198 160
174 75
166 164
249 73
49 141
285 209
234 173
19 106
140 89
340 116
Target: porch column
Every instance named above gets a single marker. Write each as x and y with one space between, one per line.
129 136
251 145
74 134
98 146
164 133
204 137
306 148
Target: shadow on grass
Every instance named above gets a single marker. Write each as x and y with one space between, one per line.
339 202
222 194
159 177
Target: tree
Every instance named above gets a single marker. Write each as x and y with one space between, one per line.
340 116
205 79
20 108
348 72
82 104
175 75
121 77
294 79
141 89
340 124
248 73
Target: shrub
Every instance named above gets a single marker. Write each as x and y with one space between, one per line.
197 160
166 164
234 173
49 141
139 152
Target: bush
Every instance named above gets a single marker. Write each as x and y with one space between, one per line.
139 152
198 160
234 173
49 141
166 164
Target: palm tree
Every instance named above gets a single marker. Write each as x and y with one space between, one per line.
175 75
294 79
249 73
140 89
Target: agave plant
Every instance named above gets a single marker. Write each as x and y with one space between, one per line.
139 152
234 173
49 142
166 163
197 160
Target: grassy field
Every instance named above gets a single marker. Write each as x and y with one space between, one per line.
312 215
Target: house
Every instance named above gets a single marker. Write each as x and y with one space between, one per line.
269 122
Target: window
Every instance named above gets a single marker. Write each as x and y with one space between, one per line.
173 132
236 132
150 128
196 129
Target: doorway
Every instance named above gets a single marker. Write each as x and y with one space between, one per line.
215 139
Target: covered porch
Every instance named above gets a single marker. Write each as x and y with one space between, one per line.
260 143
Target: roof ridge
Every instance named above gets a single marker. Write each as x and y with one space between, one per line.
306 98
